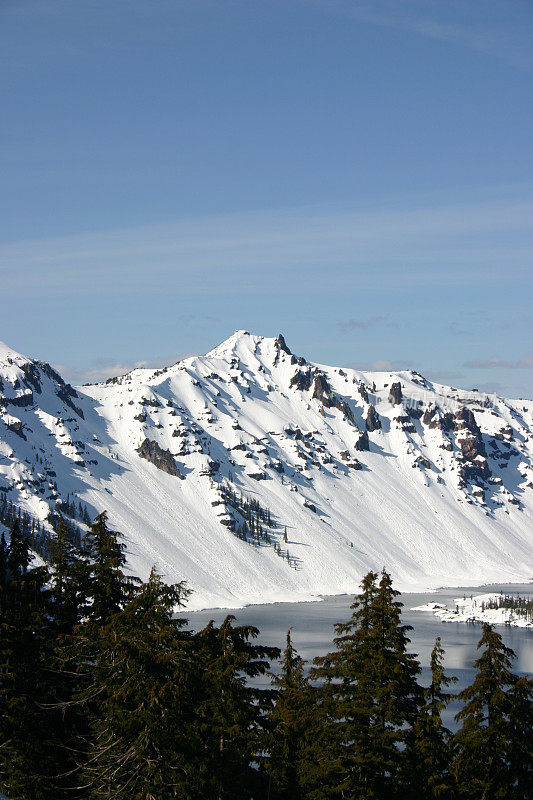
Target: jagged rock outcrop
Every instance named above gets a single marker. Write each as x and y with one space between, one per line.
323 392
363 443
282 344
301 380
162 459
373 422
395 394
363 392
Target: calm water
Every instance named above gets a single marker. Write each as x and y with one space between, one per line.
312 629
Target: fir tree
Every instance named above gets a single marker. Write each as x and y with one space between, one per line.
19 552
109 587
485 741
521 739
26 760
370 700
229 711
428 758
70 580
142 743
288 724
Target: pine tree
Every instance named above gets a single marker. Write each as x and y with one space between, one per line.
485 741
428 758
370 701
288 721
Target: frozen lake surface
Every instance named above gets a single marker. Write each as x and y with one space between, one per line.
312 629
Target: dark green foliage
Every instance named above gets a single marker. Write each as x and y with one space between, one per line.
229 712
288 723
139 700
104 693
490 735
370 701
429 755
109 587
26 760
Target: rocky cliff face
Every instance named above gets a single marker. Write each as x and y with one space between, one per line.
296 477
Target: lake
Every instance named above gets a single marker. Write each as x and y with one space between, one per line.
312 629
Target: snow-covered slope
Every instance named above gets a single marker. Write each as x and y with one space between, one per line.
351 470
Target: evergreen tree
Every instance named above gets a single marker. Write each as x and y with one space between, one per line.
429 756
26 760
142 744
521 739
230 711
370 701
19 555
485 741
109 587
288 724
70 580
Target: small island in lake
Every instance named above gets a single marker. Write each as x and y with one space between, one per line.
494 608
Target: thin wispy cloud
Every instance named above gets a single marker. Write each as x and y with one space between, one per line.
440 245
445 20
526 362
361 324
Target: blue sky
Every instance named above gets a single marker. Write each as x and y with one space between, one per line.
358 175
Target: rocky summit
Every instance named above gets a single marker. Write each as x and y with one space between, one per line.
258 476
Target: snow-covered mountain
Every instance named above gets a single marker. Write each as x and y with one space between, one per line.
335 470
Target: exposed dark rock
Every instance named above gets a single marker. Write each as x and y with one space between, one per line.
373 422
422 461
322 391
257 476
301 361
342 373
143 416
282 345
363 392
362 443
32 377
150 401
465 419
310 506
395 394
302 380
21 401
355 464
16 427
162 459
414 412
434 418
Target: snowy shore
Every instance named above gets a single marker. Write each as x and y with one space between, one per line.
474 609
